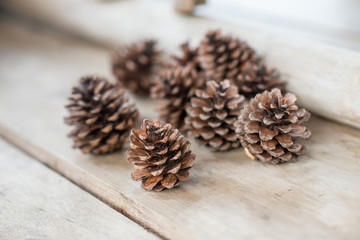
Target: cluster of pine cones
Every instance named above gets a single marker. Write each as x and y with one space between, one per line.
220 93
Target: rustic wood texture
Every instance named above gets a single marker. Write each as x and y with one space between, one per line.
325 77
37 203
228 195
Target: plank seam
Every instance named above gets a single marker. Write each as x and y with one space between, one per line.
80 178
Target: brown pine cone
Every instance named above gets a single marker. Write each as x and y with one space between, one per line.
221 57
255 77
270 125
212 114
177 85
189 56
160 154
134 65
101 114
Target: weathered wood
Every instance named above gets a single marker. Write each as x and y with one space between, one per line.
325 77
228 195
334 22
37 203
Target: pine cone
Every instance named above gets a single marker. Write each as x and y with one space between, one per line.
160 154
221 57
255 77
134 65
189 56
212 114
177 84
270 125
101 114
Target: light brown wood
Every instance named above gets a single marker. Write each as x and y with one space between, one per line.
325 77
228 196
37 203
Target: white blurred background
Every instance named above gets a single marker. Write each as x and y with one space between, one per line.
334 21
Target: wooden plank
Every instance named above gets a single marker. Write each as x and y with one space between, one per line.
228 196
37 203
332 22
324 76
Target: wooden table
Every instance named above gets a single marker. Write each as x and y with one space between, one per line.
228 195
38 203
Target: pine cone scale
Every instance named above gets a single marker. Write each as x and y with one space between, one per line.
151 182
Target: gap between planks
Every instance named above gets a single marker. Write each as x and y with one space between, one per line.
38 203
81 178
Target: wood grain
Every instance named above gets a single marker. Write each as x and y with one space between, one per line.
228 195
325 77
37 203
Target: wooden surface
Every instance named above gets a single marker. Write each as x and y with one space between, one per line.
37 203
326 77
335 22
228 195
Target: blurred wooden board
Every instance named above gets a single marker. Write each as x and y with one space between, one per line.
228 195
334 22
37 203
326 77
